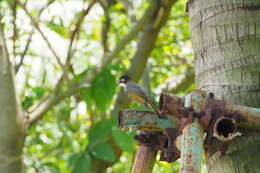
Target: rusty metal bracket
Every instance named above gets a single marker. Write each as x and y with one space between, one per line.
160 141
194 115
214 110
149 138
145 120
170 152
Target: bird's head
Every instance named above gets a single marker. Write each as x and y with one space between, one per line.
124 80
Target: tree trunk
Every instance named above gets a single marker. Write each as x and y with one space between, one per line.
226 42
11 135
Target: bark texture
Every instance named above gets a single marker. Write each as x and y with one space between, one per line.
226 42
11 135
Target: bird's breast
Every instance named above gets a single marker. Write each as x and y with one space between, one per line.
135 97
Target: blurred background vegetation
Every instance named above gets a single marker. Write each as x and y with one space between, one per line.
68 55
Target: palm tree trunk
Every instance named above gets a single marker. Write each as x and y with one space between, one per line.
226 40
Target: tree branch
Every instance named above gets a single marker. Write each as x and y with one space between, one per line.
105 25
17 67
37 110
42 108
14 37
123 42
179 83
76 31
35 23
146 78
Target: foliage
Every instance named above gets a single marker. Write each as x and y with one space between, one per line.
82 128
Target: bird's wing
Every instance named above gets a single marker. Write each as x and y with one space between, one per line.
136 93
139 94
137 89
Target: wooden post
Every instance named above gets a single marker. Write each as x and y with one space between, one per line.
144 159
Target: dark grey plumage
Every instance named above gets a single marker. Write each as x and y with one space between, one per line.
137 93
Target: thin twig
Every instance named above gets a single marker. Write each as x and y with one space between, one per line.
74 34
76 31
14 37
105 26
25 3
122 43
56 95
17 67
180 82
35 23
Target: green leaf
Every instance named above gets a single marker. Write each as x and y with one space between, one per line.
103 89
73 157
27 102
85 94
79 76
100 131
59 29
63 112
39 92
125 140
49 167
82 164
103 151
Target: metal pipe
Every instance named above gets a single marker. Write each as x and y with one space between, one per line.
192 136
225 129
248 117
171 104
145 120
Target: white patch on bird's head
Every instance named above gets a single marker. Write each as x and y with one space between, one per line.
124 79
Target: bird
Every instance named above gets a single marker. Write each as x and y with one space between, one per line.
137 94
